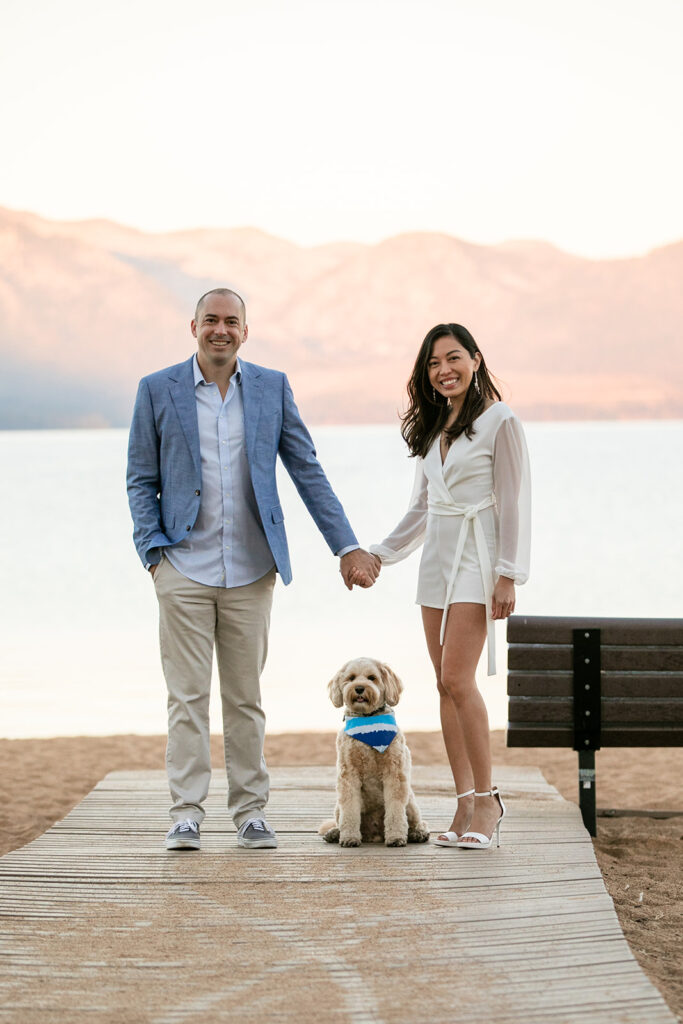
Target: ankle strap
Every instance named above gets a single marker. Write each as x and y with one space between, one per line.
469 792
489 792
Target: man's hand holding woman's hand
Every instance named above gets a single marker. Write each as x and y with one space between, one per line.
359 567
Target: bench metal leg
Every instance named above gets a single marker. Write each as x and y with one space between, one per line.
587 789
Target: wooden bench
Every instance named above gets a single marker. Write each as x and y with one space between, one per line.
587 683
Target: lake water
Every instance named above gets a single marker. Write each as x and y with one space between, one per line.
79 650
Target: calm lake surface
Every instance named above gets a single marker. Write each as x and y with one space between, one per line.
79 653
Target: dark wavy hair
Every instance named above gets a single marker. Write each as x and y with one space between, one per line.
428 410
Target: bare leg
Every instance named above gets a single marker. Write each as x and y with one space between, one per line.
453 737
463 643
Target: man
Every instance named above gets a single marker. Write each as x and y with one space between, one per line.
209 528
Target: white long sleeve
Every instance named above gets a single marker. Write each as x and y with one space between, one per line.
512 487
410 532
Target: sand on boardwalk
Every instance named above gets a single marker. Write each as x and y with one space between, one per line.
641 858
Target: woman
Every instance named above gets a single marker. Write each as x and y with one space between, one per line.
471 507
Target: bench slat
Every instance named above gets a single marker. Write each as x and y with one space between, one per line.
550 629
560 710
612 736
613 684
534 657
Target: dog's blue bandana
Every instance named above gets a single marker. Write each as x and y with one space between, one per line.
376 730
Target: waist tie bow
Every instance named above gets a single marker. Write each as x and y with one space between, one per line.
470 514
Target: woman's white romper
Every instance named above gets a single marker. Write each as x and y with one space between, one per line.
473 513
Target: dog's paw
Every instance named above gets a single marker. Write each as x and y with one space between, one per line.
350 841
418 834
395 841
332 835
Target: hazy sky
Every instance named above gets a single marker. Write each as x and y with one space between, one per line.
317 121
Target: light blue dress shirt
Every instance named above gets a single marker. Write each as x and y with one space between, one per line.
227 546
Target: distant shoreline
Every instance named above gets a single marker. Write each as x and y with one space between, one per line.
313 424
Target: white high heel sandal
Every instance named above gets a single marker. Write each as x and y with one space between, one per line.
482 842
451 838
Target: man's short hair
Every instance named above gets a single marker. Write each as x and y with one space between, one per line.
221 291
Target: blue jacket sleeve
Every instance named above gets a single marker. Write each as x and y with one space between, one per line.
300 460
143 479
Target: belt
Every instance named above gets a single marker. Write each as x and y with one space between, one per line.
470 514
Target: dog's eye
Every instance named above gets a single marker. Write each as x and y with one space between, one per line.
351 678
372 678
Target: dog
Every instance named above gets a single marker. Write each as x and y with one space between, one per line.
375 802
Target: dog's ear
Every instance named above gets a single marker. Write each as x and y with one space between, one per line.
334 688
393 687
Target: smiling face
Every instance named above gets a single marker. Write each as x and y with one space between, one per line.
451 368
220 330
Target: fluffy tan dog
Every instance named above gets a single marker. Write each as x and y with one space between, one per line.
375 802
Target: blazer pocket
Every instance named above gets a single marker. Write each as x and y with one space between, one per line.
276 514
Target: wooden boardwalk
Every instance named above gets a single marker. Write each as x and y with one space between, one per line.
101 924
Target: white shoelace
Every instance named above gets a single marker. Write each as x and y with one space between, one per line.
256 823
186 826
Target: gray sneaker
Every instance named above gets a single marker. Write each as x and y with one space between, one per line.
256 834
183 836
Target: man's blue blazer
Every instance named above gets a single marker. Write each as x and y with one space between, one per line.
164 466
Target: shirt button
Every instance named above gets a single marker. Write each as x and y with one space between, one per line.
197 493
188 528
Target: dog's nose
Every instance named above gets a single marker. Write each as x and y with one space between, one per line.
360 689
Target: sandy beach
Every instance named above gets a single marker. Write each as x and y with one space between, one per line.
641 858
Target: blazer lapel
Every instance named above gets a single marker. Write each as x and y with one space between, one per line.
252 391
182 393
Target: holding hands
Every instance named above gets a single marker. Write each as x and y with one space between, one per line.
359 567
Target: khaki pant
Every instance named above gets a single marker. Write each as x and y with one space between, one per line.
192 618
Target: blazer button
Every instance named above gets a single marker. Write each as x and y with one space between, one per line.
188 528
197 493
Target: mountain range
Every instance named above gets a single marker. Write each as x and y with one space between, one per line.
88 307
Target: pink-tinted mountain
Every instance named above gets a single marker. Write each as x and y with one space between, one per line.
87 308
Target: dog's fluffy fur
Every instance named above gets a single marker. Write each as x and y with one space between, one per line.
375 802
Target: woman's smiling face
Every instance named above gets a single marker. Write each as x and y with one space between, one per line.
451 368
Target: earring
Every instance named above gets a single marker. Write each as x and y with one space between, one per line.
476 383
434 395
